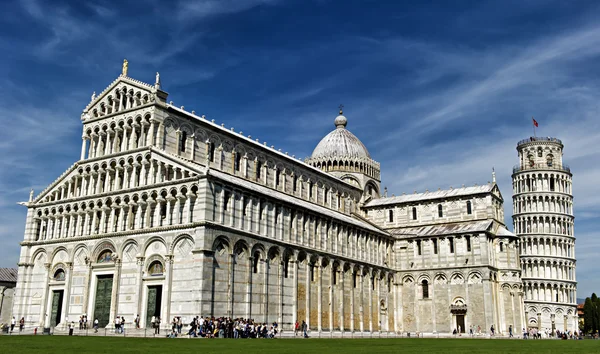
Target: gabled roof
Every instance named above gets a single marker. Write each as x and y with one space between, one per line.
439 194
8 275
121 79
156 154
444 229
295 201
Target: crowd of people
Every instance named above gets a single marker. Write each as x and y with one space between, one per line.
223 327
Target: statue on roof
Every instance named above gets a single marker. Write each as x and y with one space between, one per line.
157 83
125 67
94 95
31 195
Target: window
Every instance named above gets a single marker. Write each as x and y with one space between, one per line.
277 173
469 209
295 183
552 184
183 141
390 215
425 288
435 246
419 247
334 275
354 280
440 211
226 197
310 189
451 242
255 262
501 247
211 151
261 209
258 168
414 213
540 152
286 268
163 210
549 161
312 272
237 161
468 239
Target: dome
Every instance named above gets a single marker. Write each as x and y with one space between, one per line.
340 143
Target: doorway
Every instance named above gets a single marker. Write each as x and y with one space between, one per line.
460 323
103 299
153 303
57 301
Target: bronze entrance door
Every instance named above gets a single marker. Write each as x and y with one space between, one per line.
57 300
460 323
103 299
153 303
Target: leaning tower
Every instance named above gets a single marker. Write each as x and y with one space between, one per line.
543 220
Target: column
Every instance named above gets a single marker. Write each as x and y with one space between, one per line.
45 309
67 294
161 132
294 263
341 296
140 286
150 136
169 284
84 140
114 307
124 138
308 291
319 295
362 302
372 280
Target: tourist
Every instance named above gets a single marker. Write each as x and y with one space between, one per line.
304 329
117 322
22 324
492 330
96 325
137 321
157 325
296 328
80 322
510 334
13 322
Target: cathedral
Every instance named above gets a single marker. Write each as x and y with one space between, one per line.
169 214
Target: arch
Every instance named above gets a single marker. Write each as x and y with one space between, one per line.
179 245
59 273
103 246
155 268
221 244
80 254
61 258
150 241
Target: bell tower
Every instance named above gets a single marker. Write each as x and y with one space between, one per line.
543 219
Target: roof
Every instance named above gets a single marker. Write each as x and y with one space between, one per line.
8 275
295 201
340 143
440 194
443 229
502 231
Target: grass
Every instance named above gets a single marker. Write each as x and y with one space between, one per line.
65 344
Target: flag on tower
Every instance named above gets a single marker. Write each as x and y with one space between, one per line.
535 122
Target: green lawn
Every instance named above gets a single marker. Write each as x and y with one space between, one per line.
64 344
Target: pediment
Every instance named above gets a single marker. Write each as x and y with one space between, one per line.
496 192
59 188
122 94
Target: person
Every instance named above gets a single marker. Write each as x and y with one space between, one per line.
492 330
117 324
510 334
459 331
22 324
304 329
157 325
71 326
122 324
296 326
153 323
13 322
80 323
471 330
137 321
96 325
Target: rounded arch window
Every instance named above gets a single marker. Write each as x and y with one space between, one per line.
59 275
105 256
156 268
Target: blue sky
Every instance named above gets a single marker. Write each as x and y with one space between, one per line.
439 94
